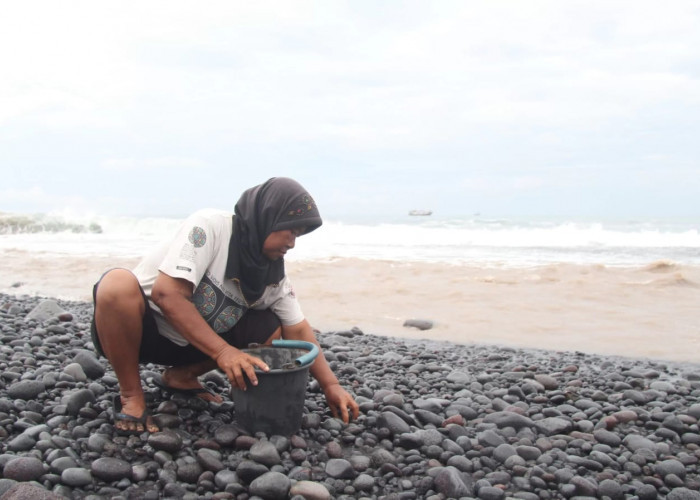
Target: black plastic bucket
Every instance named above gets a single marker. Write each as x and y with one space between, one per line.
276 404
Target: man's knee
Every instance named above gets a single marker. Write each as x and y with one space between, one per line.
118 288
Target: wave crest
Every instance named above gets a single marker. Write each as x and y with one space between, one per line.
20 224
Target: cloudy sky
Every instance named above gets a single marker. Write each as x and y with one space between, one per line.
377 107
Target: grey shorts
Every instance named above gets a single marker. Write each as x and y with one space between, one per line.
254 327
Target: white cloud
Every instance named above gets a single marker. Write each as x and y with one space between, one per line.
128 164
503 87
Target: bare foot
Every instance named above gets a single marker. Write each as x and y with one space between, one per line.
180 378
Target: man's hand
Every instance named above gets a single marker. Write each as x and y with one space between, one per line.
341 403
235 363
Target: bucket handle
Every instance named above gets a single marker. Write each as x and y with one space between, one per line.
304 359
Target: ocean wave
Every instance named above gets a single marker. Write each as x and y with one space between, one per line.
469 240
21 224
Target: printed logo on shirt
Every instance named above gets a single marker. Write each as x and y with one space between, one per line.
219 311
183 268
197 237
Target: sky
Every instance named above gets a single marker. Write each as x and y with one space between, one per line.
588 108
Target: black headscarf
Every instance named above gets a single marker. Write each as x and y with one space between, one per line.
278 204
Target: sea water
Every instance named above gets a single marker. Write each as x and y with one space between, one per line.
625 286
468 240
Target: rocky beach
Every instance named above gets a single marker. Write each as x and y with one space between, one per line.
438 420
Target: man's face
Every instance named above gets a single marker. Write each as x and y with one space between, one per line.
278 243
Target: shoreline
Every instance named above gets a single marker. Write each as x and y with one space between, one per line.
647 312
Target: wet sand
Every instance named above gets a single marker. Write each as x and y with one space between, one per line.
649 312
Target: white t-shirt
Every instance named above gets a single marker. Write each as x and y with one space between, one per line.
198 253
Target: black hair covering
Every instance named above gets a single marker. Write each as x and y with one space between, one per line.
278 204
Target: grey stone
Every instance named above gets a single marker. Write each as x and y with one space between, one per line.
310 490
340 468
554 425
458 377
189 472
607 437
451 483
271 486
24 469
509 419
166 441
77 400
666 467
266 453
26 389
75 371
393 422
29 491
611 489
45 310
635 443
364 482
490 438
111 469
76 477
683 494
248 470
421 324
503 452
90 364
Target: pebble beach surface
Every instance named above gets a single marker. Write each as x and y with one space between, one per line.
438 420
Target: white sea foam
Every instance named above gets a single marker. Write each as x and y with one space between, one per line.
469 240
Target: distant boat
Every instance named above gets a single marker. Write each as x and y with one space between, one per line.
420 212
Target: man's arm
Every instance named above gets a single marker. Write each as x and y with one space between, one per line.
174 298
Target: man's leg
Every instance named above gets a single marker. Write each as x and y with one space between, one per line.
119 311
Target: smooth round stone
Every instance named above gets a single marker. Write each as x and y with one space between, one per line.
450 483
189 473
26 389
75 371
27 491
139 473
248 470
76 477
393 422
310 490
97 442
503 452
490 493
225 477
76 400
209 461
666 467
62 463
111 469
90 364
548 382
271 485
611 489
359 462
24 469
363 482
265 452
683 494
23 442
380 457
508 419
165 441
340 468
